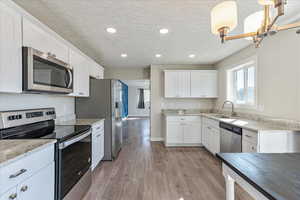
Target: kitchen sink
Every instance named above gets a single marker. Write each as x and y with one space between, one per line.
221 116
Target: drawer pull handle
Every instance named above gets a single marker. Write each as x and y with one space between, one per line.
24 188
12 196
248 136
98 128
22 171
98 135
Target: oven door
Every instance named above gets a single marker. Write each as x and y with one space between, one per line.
74 161
44 73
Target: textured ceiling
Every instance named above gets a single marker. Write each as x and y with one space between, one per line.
138 22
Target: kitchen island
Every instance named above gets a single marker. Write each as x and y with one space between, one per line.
263 176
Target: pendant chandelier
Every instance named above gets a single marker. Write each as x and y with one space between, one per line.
257 26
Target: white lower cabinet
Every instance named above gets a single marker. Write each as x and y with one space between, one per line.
174 133
39 186
211 135
29 178
248 147
183 131
97 143
192 133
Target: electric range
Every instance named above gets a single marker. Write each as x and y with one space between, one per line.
72 150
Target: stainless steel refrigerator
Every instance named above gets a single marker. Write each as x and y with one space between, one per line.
105 101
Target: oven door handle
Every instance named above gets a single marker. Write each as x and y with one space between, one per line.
76 139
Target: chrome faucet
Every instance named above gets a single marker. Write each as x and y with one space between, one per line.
232 107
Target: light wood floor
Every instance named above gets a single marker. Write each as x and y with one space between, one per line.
147 170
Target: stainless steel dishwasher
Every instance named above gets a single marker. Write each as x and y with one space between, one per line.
231 138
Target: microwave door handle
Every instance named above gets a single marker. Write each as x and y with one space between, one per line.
70 78
76 139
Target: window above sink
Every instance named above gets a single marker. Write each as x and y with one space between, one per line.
242 84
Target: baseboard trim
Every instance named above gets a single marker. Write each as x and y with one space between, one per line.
156 139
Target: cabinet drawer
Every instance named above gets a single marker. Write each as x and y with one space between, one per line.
250 136
184 118
14 173
248 147
211 122
97 127
9 195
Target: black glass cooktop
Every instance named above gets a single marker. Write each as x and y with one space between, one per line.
65 132
45 130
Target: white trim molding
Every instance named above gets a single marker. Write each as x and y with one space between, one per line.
156 139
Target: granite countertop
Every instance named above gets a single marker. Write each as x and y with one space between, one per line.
81 122
237 121
277 176
247 124
11 150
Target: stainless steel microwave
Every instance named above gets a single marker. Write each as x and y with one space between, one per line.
43 72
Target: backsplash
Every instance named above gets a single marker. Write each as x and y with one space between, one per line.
64 106
167 104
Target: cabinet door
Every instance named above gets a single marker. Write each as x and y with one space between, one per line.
204 84
184 84
101 146
248 147
36 37
205 136
10 195
214 140
192 133
171 84
96 71
96 148
81 81
10 50
174 132
39 186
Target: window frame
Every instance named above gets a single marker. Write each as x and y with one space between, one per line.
232 83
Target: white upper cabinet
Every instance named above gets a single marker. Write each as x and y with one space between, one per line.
10 50
96 71
177 84
81 79
184 84
171 84
37 38
191 84
204 84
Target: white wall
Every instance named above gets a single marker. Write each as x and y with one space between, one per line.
64 106
127 73
158 102
133 94
278 75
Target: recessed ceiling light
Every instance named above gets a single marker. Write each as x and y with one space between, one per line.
123 55
158 55
111 30
164 31
192 56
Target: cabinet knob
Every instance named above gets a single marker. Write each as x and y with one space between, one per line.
24 188
12 196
